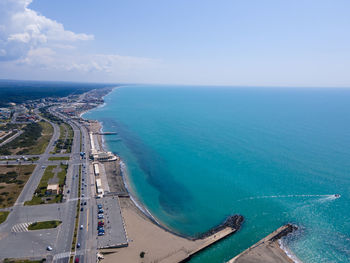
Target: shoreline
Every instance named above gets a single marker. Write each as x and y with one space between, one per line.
285 253
268 249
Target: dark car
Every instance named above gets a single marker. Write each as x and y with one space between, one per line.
85 203
99 206
100 211
82 209
78 245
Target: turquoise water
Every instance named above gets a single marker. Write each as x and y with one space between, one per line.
195 155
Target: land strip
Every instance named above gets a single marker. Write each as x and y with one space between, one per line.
268 249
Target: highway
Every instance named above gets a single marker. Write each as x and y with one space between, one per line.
88 217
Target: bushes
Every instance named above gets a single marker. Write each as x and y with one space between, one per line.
31 134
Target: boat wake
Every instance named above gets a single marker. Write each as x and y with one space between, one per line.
324 197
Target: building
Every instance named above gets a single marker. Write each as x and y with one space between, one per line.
102 156
96 169
5 113
99 188
53 189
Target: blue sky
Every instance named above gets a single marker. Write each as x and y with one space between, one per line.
223 42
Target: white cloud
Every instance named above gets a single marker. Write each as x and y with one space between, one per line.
23 29
34 46
85 63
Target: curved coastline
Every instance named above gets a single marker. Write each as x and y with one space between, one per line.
126 179
141 207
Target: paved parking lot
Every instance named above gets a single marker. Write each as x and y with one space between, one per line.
115 235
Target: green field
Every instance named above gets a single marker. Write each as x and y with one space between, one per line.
44 225
46 134
12 180
33 140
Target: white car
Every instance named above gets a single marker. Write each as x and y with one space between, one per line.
49 248
81 226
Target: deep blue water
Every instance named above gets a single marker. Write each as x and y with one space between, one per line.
195 155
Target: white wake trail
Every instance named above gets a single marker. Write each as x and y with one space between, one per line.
326 197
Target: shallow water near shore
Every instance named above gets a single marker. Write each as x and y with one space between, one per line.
195 155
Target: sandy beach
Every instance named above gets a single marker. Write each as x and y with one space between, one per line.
158 244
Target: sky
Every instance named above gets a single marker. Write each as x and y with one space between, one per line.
195 42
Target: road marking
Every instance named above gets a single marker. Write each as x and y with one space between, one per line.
77 198
22 227
62 255
87 221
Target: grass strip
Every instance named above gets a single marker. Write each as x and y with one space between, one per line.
74 241
63 158
13 260
3 216
44 225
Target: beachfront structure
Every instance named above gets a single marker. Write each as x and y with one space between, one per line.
96 169
102 156
99 189
92 142
97 155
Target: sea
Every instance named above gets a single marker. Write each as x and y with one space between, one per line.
197 154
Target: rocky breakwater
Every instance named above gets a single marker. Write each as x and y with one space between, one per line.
234 222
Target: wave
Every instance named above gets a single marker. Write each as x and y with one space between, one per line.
288 252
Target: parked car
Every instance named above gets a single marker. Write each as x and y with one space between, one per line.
99 206
82 209
101 223
78 245
100 216
100 211
101 233
76 260
49 248
85 203
81 226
